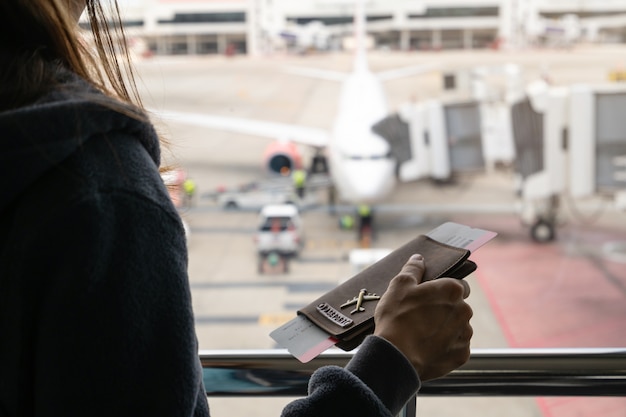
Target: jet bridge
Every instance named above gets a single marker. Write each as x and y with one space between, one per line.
435 139
570 142
597 140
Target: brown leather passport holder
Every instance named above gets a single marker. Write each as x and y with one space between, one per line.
347 311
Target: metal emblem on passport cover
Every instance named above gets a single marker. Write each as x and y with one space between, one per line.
334 315
359 300
337 317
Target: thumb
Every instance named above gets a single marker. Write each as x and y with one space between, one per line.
414 268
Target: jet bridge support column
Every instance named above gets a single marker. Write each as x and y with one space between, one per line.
192 44
405 40
436 39
222 44
468 39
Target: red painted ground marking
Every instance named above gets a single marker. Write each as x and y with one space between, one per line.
582 407
560 294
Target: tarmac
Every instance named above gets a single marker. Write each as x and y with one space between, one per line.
567 293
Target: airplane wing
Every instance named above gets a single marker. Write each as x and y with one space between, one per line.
382 75
281 131
321 74
349 303
407 71
371 297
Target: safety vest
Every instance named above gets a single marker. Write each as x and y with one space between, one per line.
299 177
190 186
364 210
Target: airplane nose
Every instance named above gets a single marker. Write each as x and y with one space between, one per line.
369 181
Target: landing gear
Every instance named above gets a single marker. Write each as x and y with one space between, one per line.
319 164
543 231
541 216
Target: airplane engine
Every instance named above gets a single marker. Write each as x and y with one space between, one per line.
282 158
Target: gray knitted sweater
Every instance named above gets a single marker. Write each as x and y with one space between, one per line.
95 306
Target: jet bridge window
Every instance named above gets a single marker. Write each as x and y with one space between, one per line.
610 139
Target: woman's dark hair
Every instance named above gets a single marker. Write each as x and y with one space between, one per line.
38 38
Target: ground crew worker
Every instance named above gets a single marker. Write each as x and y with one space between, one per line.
299 181
189 189
365 220
346 222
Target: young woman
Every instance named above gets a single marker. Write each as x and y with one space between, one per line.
95 306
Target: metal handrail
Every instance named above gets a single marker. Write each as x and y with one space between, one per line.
489 372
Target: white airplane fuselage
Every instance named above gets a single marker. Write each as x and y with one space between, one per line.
361 166
359 158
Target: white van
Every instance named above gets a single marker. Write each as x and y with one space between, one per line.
279 230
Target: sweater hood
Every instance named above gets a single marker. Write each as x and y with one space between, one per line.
41 135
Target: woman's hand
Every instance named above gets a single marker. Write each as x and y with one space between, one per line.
427 321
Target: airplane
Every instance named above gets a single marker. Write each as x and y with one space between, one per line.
358 300
361 166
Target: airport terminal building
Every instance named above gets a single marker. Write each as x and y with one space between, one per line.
268 26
